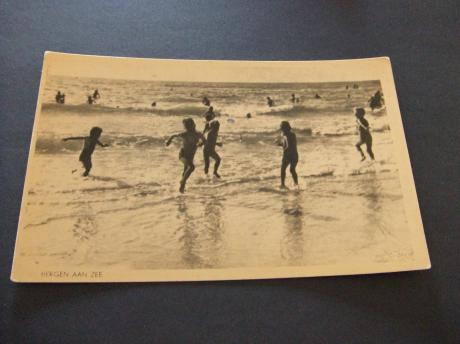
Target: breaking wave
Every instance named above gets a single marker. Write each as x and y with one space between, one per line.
181 110
53 144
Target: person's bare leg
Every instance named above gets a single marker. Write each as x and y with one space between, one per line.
217 159
88 165
206 161
369 149
294 173
358 147
188 171
284 166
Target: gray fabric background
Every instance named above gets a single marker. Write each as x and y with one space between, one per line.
422 39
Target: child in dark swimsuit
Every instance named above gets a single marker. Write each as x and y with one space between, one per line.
290 154
211 129
364 134
209 112
376 100
90 143
205 101
270 102
190 138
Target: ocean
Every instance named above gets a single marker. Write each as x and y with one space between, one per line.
129 212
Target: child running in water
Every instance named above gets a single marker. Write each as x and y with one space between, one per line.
88 147
290 154
364 134
209 150
190 138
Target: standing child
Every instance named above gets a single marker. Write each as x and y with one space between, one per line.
270 102
211 129
190 139
58 97
364 134
88 147
290 154
209 112
205 101
96 94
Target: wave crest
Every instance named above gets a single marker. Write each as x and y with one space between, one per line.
181 110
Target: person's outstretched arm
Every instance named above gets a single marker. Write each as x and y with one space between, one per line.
74 138
278 141
101 144
285 143
202 138
168 142
362 125
206 128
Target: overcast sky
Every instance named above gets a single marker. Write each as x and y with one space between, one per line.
213 71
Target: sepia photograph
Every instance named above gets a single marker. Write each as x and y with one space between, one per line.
175 170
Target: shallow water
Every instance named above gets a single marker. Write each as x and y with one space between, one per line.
130 213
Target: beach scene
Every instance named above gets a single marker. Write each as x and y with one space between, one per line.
128 211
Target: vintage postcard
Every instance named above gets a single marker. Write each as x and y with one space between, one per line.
181 170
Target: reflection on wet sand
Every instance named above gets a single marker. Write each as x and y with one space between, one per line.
200 236
381 224
293 237
213 229
371 196
188 238
376 224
